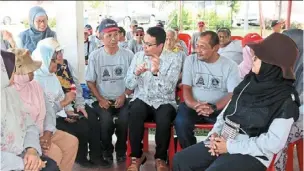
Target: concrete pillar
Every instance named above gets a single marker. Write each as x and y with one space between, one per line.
70 33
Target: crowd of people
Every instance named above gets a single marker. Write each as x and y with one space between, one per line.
250 89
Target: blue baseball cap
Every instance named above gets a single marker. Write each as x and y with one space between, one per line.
107 25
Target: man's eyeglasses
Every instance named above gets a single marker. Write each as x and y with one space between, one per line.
149 44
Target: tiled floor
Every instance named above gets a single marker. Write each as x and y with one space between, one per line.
149 165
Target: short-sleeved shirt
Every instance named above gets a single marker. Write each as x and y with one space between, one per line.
194 38
233 51
134 46
109 71
210 81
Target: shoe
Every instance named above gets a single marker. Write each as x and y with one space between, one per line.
86 163
102 163
108 157
120 158
161 165
136 163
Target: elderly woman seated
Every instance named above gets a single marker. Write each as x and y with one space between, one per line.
255 125
52 141
20 148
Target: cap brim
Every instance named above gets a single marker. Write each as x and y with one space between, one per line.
59 48
29 68
107 30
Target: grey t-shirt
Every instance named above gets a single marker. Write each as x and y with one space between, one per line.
109 71
123 44
233 51
134 46
129 35
210 81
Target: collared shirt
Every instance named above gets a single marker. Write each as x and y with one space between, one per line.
155 90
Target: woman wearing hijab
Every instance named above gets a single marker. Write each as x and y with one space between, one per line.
255 125
296 131
246 65
75 124
69 82
38 30
20 148
52 141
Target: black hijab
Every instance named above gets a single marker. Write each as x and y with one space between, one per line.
261 96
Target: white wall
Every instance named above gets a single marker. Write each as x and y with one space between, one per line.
70 33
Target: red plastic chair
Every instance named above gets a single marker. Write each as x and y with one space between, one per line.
187 39
289 163
236 38
148 125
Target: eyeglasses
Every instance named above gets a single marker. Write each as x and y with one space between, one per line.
149 44
41 21
139 34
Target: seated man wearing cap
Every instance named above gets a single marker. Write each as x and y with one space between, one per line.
130 34
89 45
277 25
105 75
231 49
153 76
208 82
136 44
196 35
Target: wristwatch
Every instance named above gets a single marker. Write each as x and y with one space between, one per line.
213 107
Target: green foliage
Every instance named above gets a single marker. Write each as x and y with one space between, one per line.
214 21
52 22
186 19
96 4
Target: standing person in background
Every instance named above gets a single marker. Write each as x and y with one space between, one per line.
7 40
89 45
136 44
277 26
38 30
122 38
200 28
96 39
130 34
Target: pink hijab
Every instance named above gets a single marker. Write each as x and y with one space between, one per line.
32 95
246 65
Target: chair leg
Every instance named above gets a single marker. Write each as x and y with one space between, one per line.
171 149
146 140
128 157
178 147
289 163
299 145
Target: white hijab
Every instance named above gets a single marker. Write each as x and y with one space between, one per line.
49 82
14 117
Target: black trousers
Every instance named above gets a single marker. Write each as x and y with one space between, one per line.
51 165
87 131
162 116
197 158
108 126
185 123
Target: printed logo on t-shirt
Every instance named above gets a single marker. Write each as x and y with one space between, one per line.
112 73
207 81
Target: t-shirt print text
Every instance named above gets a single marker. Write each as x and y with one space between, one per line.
112 73
207 81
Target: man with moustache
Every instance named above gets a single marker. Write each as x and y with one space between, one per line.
208 82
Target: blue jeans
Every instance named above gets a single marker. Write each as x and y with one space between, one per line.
185 123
